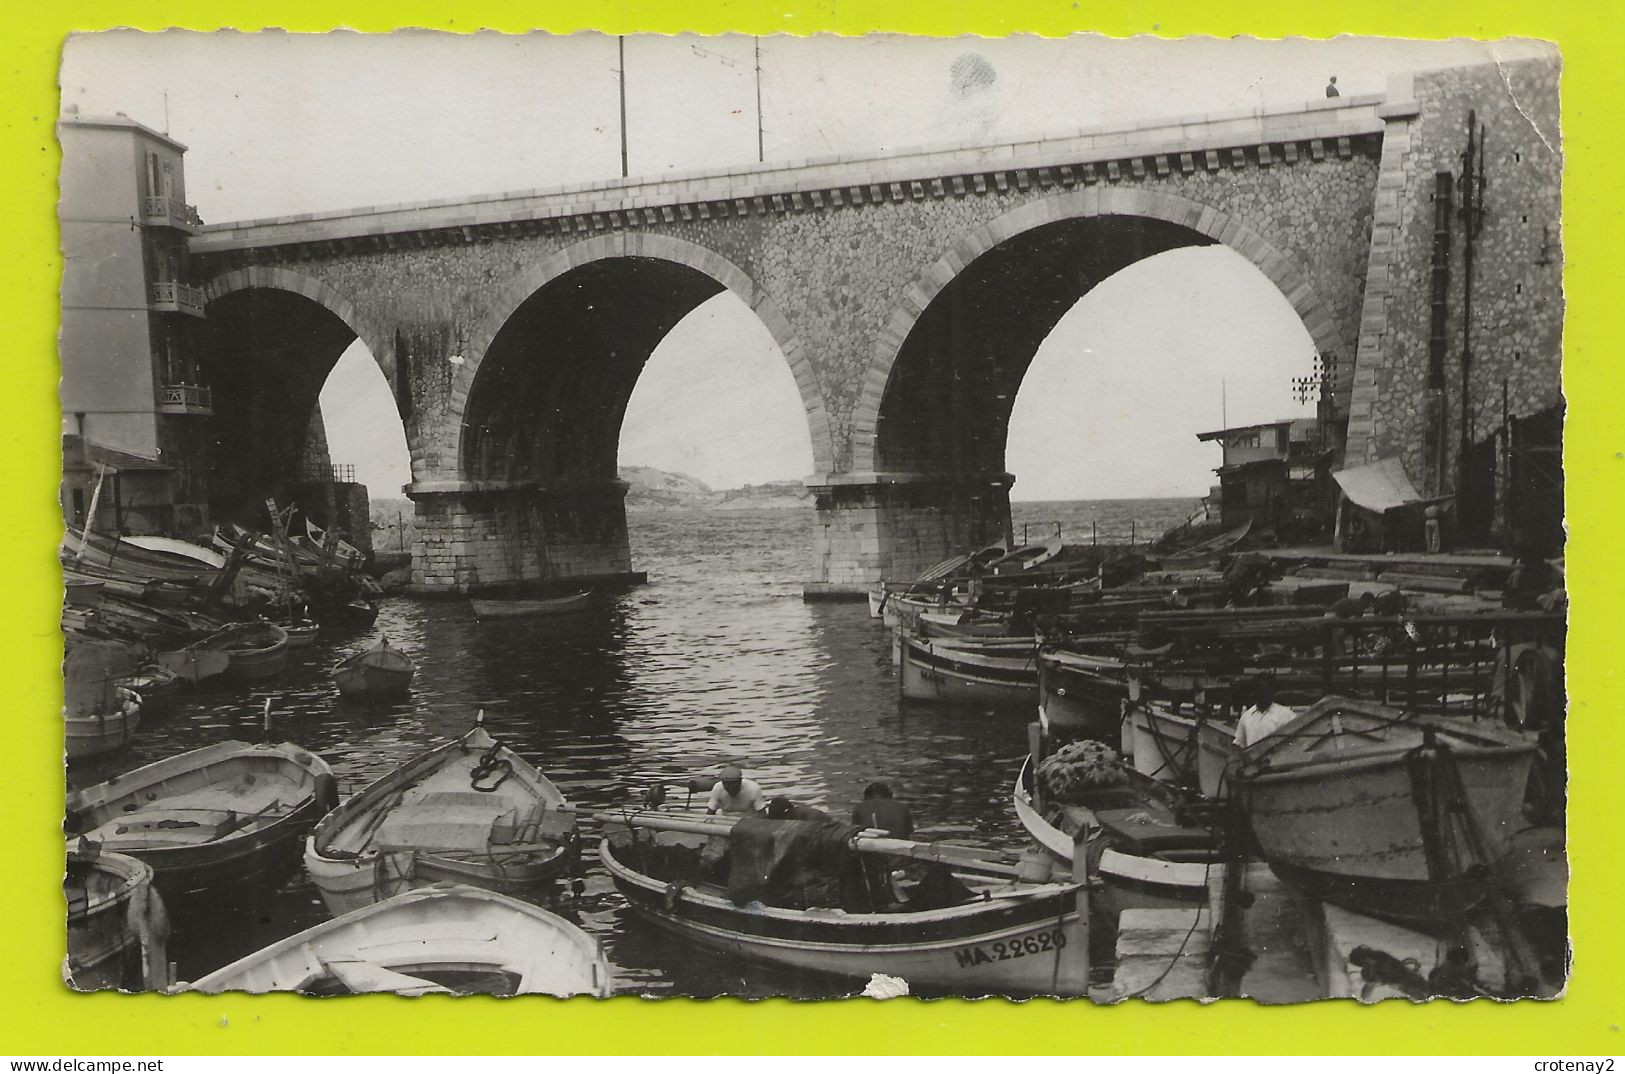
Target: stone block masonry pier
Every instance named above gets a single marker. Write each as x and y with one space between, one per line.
907 294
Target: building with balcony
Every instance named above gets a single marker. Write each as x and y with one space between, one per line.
1275 473
134 382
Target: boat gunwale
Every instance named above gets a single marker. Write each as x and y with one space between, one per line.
584 943
353 808
951 914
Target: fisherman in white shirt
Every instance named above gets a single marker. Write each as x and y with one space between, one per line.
1263 717
733 793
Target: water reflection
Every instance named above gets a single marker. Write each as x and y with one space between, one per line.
715 660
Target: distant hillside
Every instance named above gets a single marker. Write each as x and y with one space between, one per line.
650 489
661 489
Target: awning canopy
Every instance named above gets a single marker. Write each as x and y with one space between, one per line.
1381 486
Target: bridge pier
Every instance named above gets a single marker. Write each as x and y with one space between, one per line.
480 536
873 527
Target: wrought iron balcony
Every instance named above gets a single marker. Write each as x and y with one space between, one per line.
164 211
185 399
170 297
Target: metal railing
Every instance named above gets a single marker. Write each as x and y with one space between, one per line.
189 396
339 473
166 211
1505 666
183 297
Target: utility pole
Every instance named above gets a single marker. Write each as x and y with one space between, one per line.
621 43
1472 215
761 154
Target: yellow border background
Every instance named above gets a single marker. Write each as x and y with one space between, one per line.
39 1016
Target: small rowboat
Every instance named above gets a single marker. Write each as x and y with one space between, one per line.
257 650
376 672
471 811
991 932
1144 856
302 633
223 816
116 924
515 609
104 729
1336 805
970 671
155 685
198 662
447 938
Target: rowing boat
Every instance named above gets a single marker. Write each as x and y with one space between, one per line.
117 926
103 728
515 609
227 815
376 672
470 811
985 931
970 671
257 650
1337 799
447 938
1145 856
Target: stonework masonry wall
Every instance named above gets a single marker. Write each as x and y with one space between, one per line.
474 541
873 531
1517 296
838 274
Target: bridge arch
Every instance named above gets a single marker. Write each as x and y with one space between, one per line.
717 273
325 295
273 336
1199 223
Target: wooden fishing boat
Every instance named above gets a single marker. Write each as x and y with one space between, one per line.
991 932
155 685
302 632
1181 745
377 672
446 938
1082 693
117 927
970 671
1205 553
200 661
206 557
516 609
227 815
1145 855
102 728
963 624
258 650
1336 805
1026 557
471 811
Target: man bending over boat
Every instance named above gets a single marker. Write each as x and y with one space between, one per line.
1264 716
734 793
879 810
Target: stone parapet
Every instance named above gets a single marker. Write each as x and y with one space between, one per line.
1185 144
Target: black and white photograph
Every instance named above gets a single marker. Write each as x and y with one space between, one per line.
593 515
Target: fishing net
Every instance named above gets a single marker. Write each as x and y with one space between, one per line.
1078 767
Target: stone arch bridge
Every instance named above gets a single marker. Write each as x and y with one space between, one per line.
907 294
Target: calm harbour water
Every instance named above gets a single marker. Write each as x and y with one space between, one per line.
715 660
